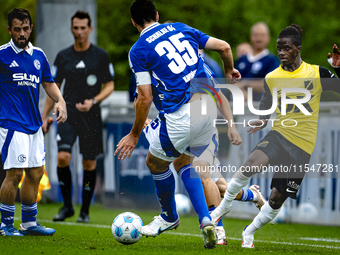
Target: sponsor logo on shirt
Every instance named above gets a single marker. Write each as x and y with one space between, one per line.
24 80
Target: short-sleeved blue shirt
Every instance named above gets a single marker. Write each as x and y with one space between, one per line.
166 56
21 73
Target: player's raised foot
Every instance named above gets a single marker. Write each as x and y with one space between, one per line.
64 212
208 233
219 212
83 218
9 230
37 230
221 238
247 239
260 200
158 226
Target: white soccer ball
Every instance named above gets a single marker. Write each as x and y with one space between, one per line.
183 204
125 228
307 213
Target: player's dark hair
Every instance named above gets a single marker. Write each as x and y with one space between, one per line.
20 14
143 11
82 15
294 32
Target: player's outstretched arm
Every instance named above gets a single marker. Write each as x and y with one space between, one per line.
224 49
54 94
128 143
227 114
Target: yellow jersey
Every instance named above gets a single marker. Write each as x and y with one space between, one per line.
295 126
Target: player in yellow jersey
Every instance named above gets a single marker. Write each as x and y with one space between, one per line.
289 147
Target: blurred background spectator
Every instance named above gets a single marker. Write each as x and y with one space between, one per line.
258 62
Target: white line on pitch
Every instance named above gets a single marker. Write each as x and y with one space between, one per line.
196 235
263 241
71 223
331 240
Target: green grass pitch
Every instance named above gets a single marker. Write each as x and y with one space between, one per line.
96 237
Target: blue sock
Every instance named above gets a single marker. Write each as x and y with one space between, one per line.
7 214
247 195
220 223
194 187
29 212
165 190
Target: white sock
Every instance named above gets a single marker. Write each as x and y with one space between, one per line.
29 224
266 215
238 181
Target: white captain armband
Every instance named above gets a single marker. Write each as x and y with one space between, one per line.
143 78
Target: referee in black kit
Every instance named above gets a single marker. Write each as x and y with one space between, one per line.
85 68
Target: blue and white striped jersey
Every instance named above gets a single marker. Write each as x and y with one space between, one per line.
21 73
166 55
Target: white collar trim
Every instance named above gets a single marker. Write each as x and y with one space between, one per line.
262 54
149 28
18 50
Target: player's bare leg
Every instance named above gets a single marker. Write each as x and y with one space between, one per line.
9 187
30 185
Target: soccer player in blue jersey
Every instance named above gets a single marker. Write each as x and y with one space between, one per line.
166 58
23 68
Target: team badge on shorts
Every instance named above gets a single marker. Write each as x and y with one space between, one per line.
37 64
21 158
263 144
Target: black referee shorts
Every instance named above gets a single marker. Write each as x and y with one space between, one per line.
88 127
283 156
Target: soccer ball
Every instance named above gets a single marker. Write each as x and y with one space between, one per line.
183 204
125 228
307 213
